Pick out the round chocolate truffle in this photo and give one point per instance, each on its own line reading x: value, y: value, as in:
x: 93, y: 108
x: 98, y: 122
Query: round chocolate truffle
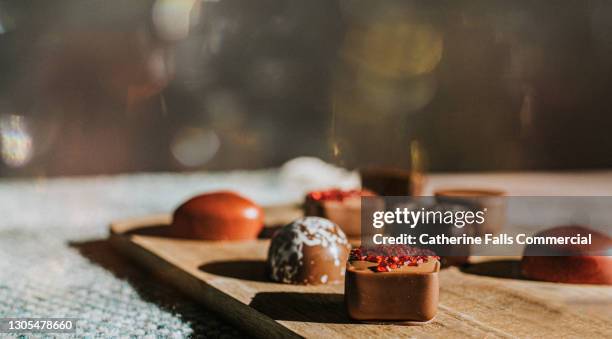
x: 218, y: 216
x: 576, y: 264
x: 310, y: 250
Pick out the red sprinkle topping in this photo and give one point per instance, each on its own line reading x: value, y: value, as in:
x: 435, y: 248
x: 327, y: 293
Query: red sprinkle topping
x: 336, y: 194
x: 394, y: 258
x: 381, y: 269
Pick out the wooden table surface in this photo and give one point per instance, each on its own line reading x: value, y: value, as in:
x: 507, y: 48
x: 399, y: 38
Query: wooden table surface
x: 487, y: 299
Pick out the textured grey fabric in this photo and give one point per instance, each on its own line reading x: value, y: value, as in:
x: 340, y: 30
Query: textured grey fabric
x: 54, y: 261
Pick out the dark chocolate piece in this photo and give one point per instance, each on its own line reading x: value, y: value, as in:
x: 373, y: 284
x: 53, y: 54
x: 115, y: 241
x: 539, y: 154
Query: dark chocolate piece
x: 392, y: 181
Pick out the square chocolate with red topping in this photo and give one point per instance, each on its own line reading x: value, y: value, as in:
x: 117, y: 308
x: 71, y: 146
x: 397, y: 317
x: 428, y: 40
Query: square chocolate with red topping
x: 396, y: 287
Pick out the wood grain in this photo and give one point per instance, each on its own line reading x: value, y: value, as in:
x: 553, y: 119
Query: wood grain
x: 488, y: 299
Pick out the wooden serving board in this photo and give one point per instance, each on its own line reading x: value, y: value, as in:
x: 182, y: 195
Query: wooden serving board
x: 489, y: 299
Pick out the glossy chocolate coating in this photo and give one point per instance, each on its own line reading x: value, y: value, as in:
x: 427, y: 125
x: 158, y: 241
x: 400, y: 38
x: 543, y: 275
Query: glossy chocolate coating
x: 310, y: 250
x: 218, y: 216
x: 573, y: 265
x: 407, y: 294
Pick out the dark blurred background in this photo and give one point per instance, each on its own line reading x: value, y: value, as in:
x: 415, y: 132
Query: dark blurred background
x: 113, y: 86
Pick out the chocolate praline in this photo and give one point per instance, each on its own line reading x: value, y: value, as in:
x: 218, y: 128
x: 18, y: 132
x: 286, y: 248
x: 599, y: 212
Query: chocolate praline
x: 392, y: 288
x: 310, y: 250
x: 494, y: 201
x: 342, y: 207
x: 575, y: 264
x: 218, y: 216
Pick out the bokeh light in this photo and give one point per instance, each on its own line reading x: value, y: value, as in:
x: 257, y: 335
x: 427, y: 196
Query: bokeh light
x: 386, y: 74
x: 17, y: 144
x: 174, y: 18
x: 7, y: 23
x: 322, y: 74
x: 394, y: 49
x: 193, y: 146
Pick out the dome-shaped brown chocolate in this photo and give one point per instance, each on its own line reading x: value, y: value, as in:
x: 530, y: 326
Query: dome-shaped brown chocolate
x: 576, y: 264
x: 310, y: 250
x: 218, y: 216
